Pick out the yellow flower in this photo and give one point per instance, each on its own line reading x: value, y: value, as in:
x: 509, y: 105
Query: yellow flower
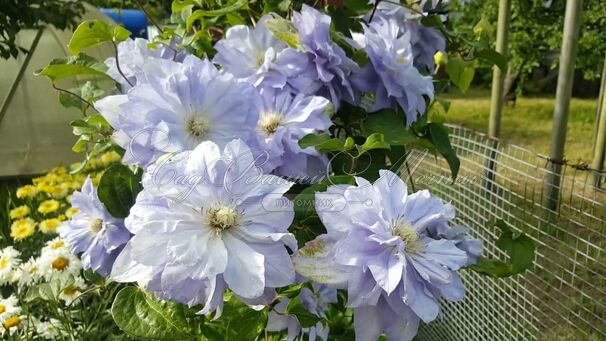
x: 59, y: 170
x: 46, y: 187
x: 23, y: 228
x: 71, y: 211
x: 49, y: 225
x: 26, y: 191
x: 48, y: 206
x: 59, y: 192
x: 19, y: 212
x: 110, y: 157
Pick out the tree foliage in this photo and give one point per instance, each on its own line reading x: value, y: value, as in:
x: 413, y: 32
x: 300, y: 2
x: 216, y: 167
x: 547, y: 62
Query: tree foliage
x: 16, y: 15
x: 535, y: 34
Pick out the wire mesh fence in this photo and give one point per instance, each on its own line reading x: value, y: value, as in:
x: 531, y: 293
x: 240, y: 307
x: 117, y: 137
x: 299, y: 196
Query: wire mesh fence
x: 563, y: 297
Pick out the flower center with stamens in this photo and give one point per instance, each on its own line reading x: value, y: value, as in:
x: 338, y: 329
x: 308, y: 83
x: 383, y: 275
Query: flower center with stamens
x: 12, y: 321
x: 269, y: 122
x: 402, y: 60
x: 260, y: 60
x: 60, y: 263
x: 222, y: 217
x: 409, y: 235
x: 96, y: 225
x: 197, y: 127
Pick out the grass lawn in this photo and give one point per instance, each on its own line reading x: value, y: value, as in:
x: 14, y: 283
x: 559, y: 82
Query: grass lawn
x: 528, y: 123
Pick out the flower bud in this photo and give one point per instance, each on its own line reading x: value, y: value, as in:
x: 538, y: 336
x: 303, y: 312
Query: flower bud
x: 440, y: 58
x: 483, y: 29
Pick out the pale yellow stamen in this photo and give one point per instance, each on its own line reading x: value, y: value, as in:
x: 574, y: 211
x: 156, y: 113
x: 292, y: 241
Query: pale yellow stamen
x: 96, y: 225
x: 198, y: 127
x: 222, y: 217
x: 409, y: 235
x: 269, y: 123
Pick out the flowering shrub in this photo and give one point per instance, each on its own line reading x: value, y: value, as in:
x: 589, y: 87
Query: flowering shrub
x: 257, y: 194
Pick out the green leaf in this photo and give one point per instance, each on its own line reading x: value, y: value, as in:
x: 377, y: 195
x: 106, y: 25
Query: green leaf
x: 322, y: 143
x: 140, y: 315
x: 493, y: 57
x: 240, y: 321
x: 120, y: 34
x: 118, y: 189
x: 80, y: 145
x: 306, y: 318
x: 284, y: 30
x: 519, y: 247
x: 391, y: 125
x: 460, y: 72
x: 374, y: 141
x: 73, y: 66
x: 276, y: 6
x: 179, y: 5
x: 200, y: 13
x: 439, y: 136
x: 88, y: 34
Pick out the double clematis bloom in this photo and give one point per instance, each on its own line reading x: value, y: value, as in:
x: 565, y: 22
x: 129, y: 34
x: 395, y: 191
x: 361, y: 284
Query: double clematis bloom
x: 394, y: 251
x: 329, y: 68
x: 133, y: 54
x: 391, y: 73
x: 256, y: 56
x: 283, y: 120
x: 176, y: 106
x: 207, y: 221
x: 93, y: 232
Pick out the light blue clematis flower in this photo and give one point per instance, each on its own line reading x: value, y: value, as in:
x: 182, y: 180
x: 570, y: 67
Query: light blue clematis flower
x: 93, y: 232
x: 175, y: 106
x: 394, y: 249
x: 283, y: 120
x: 391, y: 74
x: 208, y: 221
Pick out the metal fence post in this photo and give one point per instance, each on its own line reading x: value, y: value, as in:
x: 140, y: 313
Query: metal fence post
x: 572, y: 24
x: 497, y: 96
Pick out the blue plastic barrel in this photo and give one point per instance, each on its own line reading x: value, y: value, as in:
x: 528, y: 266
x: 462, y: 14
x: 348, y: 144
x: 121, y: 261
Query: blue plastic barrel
x: 133, y: 20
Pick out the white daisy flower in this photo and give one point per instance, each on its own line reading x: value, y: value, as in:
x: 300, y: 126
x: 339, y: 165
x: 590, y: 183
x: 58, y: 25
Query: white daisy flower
x: 73, y: 291
x: 55, y: 244
x: 59, y: 261
x: 49, y: 330
x: 29, y: 272
x: 9, y: 262
x: 9, y: 306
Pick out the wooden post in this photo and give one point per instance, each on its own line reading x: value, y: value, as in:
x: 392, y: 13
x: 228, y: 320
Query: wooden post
x: 572, y: 24
x: 498, y: 76
x: 598, y: 112
x: 497, y: 96
x: 600, y: 144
